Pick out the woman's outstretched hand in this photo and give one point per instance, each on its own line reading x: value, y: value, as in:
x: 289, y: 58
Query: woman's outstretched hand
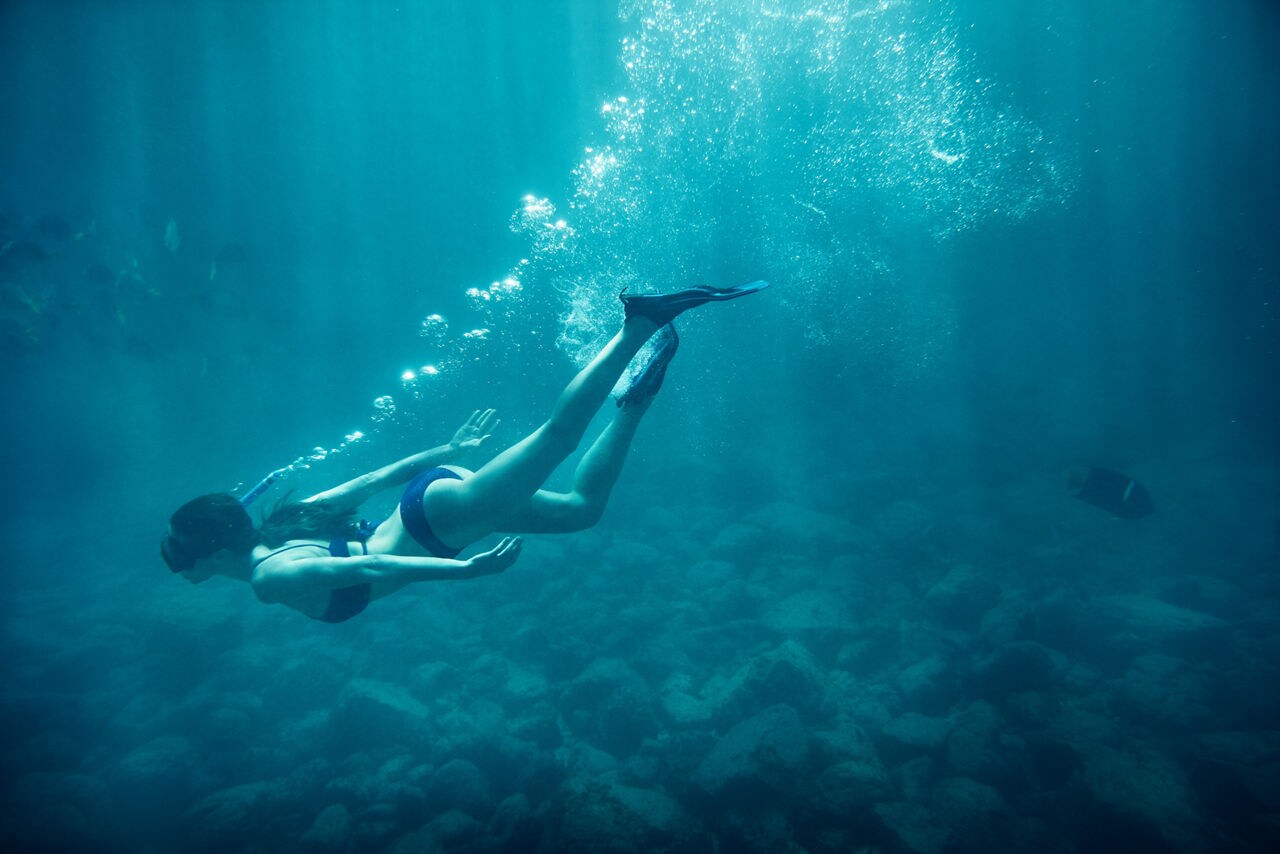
x: 497, y: 559
x: 477, y: 429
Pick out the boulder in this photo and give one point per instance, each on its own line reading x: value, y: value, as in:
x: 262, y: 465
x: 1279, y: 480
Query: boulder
x: 1016, y: 666
x: 795, y: 530
x: 234, y: 813
x: 1143, y: 624
x: 978, y: 747
x: 1143, y: 795
x: 538, y: 724
x: 972, y: 811
x: 848, y: 788
x: 913, y: 734
x: 610, y: 705
x: 913, y: 827
x: 815, y: 617
x: 739, y: 542
x: 929, y: 685
x: 1013, y: 618
x: 962, y: 596
x: 600, y: 817
x: 515, y: 825
x: 758, y: 757
x: 459, y: 785
x: 1164, y: 692
x: 679, y: 704
x: 370, y: 713
x: 329, y: 831
x: 905, y: 522
x: 788, y: 671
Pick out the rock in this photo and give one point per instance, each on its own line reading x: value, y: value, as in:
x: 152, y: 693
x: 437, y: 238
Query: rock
x: 739, y: 542
x: 421, y: 841
x: 235, y: 812
x: 915, y: 779
x: 540, y: 725
x: 847, y: 788
x: 928, y: 685
x: 370, y: 713
x: 913, y: 734
x: 635, y: 559
x: 512, y: 764
x: 329, y: 831
x: 601, y: 817
x: 610, y: 705
x: 799, y: 530
x: 1017, y: 666
x: 759, y: 756
x: 913, y: 827
x: 814, y: 617
x: 761, y: 830
x: 849, y: 742
x: 1013, y: 618
x: 1141, y: 623
x: 459, y: 785
x: 1147, y: 797
x: 788, y: 671
x: 973, y: 812
x: 455, y: 829
x: 1163, y: 692
x: 962, y: 596
x: 515, y: 826
x: 978, y: 747
x: 904, y: 523
x: 682, y: 710
x: 164, y: 771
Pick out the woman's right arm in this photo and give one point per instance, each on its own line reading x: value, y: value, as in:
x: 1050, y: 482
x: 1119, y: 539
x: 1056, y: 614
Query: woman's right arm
x: 350, y: 495
x: 287, y: 579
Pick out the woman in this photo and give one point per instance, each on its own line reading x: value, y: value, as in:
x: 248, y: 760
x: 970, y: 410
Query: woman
x: 310, y: 556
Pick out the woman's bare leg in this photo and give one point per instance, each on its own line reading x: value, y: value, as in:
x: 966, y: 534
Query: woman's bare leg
x: 593, y: 480
x: 462, y: 511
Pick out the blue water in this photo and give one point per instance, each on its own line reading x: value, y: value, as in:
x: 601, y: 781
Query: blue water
x: 842, y: 598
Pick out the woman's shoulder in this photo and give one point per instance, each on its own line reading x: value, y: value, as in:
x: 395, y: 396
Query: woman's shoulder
x: 290, y: 550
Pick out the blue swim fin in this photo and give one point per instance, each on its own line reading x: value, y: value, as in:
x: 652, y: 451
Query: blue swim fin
x: 663, y: 308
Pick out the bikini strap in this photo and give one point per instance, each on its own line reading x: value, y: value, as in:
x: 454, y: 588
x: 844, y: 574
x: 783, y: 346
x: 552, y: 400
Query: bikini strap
x: 288, y: 548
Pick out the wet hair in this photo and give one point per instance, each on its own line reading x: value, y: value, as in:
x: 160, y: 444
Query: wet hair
x: 205, y: 526
x: 302, y: 520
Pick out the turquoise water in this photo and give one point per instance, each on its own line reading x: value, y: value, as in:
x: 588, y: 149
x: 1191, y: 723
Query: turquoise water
x: 842, y: 599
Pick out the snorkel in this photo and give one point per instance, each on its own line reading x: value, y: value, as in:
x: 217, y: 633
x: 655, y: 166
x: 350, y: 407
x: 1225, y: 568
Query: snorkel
x: 260, y: 487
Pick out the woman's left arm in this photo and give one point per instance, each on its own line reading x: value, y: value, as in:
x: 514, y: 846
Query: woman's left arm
x: 350, y: 495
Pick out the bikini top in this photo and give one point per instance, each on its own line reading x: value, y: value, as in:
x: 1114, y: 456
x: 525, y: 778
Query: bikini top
x: 344, y: 602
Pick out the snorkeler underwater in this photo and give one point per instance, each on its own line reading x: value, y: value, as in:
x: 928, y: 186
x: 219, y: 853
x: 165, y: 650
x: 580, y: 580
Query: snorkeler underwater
x: 843, y: 425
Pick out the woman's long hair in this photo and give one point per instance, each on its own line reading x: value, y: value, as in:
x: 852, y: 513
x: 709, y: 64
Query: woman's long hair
x: 300, y: 520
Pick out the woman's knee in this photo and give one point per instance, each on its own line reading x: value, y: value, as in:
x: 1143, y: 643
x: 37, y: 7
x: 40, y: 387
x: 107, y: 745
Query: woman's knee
x: 559, y: 438
x: 585, y: 513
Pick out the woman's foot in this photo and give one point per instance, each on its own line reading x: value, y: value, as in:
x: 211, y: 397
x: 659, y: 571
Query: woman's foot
x: 661, y: 309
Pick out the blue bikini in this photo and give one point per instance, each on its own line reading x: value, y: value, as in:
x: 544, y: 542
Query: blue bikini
x: 414, y: 517
x: 346, y: 602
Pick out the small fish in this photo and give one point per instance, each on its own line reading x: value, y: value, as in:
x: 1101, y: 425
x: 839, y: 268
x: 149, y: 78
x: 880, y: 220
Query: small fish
x: 172, y: 238
x: 1113, y: 491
